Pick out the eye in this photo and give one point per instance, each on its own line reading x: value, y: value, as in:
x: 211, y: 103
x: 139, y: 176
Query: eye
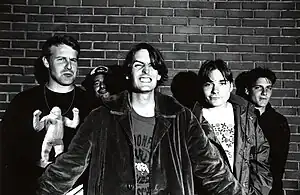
x: 207, y: 84
x: 223, y: 82
x: 74, y: 60
x: 256, y: 87
x: 269, y: 88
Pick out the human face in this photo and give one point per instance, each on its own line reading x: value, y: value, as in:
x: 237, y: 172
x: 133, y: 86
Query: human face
x: 100, y: 87
x: 217, y: 90
x: 62, y: 65
x: 144, y: 76
x: 261, y: 92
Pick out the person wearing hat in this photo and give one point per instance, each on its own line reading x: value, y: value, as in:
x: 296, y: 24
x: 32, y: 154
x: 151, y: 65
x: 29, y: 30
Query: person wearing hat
x: 95, y: 83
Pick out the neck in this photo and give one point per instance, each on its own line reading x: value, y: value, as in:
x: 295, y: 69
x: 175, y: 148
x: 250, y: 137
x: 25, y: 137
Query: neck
x: 261, y: 109
x: 143, y: 104
x: 59, y: 88
x: 217, y: 109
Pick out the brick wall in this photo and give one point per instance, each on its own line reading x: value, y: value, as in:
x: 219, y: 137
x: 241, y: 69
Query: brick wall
x: 246, y: 34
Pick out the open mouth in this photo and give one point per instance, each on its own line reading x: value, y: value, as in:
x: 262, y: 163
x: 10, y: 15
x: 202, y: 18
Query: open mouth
x: 145, y: 79
x: 68, y: 74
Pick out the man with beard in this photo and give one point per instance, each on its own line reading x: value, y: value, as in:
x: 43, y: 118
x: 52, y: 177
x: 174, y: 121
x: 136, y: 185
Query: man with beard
x: 24, y: 128
x: 141, y: 142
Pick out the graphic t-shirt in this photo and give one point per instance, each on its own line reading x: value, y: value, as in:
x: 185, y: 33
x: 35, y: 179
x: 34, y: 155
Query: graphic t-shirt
x: 143, y: 130
x: 222, y: 123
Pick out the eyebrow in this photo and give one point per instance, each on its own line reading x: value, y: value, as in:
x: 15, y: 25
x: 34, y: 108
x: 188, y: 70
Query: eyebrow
x: 138, y: 61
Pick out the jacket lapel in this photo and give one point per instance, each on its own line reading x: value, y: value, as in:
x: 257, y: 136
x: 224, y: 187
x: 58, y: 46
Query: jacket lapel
x: 161, y: 128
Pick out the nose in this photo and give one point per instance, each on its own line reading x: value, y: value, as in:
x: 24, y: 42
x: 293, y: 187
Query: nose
x: 146, y: 69
x: 264, y: 91
x: 68, y: 65
x: 215, y: 88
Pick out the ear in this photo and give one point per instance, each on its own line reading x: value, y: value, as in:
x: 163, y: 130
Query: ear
x: 45, y: 62
x: 158, y: 77
x: 231, y: 87
x: 246, y: 91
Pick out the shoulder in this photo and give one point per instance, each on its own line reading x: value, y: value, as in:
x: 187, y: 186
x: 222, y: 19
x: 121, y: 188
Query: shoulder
x: 28, y: 94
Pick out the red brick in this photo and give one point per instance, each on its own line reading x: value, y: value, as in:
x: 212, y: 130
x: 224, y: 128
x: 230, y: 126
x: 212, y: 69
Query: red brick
x: 79, y: 27
x: 174, y: 21
x: 213, y: 13
x: 120, y: 37
x: 285, y: 75
x: 187, y: 12
x: 174, y: 4
x: 4, y: 26
x: 283, y: 40
x: 254, y: 22
x: 174, y: 38
x: 270, y: 65
x: 80, y: 10
x: 32, y: 53
x: 291, y: 84
x: 201, y: 4
x: 254, y: 40
x: 12, y: 52
x: 146, y: 38
x: 5, y: 8
x: 53, y: 10
x: 281, y: 6
x: 254, y: 5
x: 4, y: 44
x: 12, y: 17
x: 115, y: 54
x: 93, y: 2
x: 92, y: 19
x: 40, y: 18
x: 147, y: 3
x: 240, y: 48
x: 266, y: 14
x: 147, y: 20
x: 282, y: 57
x: 25, y: 9
x: 175, y: 55
x: 228, y: 5
x: 200, y: 56
x: 119, y: 20
x: 240, y: 14
x: 240, y: 65
x: 106, y: 62
x: 240, y: 31
x: 267, y: 49
x: 187, y: 65
x: 53, y: 27
x: 23, y: 61
x: 67, y: 19
x: 282, y: 23
x: 37, y: 2
x: 201, y: 21
x: 291, y: 66
x: 133, y: 28
x: 186, y: 47
x: 118, y: 3
x: 22, y: 79
x: 92, y: 37
x: 290, y: 32
x: 290, y: 14
x: 160, y: 12
x: 201, y: 38
x: 230, y: 39
x: 228, y: 22
x: 106, y: 28
x: 285, y: 93
x: 187, y: 30
x: 91, y: 54
x: 106, y: 45
x: 38, y: 35
x: 228, y: 56
x: 267, y: 31
x: 163, y: 46
x: 214, y: 30
x: 68, y: 3
x: 160, y: 29
x: 213, y: 48
x: 4, y: 61
x: 10, y: 88
x: 24, y: 27
x: 106, y: 11
x: 133, y: 11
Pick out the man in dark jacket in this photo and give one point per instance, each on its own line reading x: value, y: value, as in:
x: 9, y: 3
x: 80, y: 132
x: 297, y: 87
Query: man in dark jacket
x: 142, y: 142
x: 258, y: 90
x: 230, y: 124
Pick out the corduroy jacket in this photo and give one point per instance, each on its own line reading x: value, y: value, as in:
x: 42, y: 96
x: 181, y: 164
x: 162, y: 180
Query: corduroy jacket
x: 251, y: 149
